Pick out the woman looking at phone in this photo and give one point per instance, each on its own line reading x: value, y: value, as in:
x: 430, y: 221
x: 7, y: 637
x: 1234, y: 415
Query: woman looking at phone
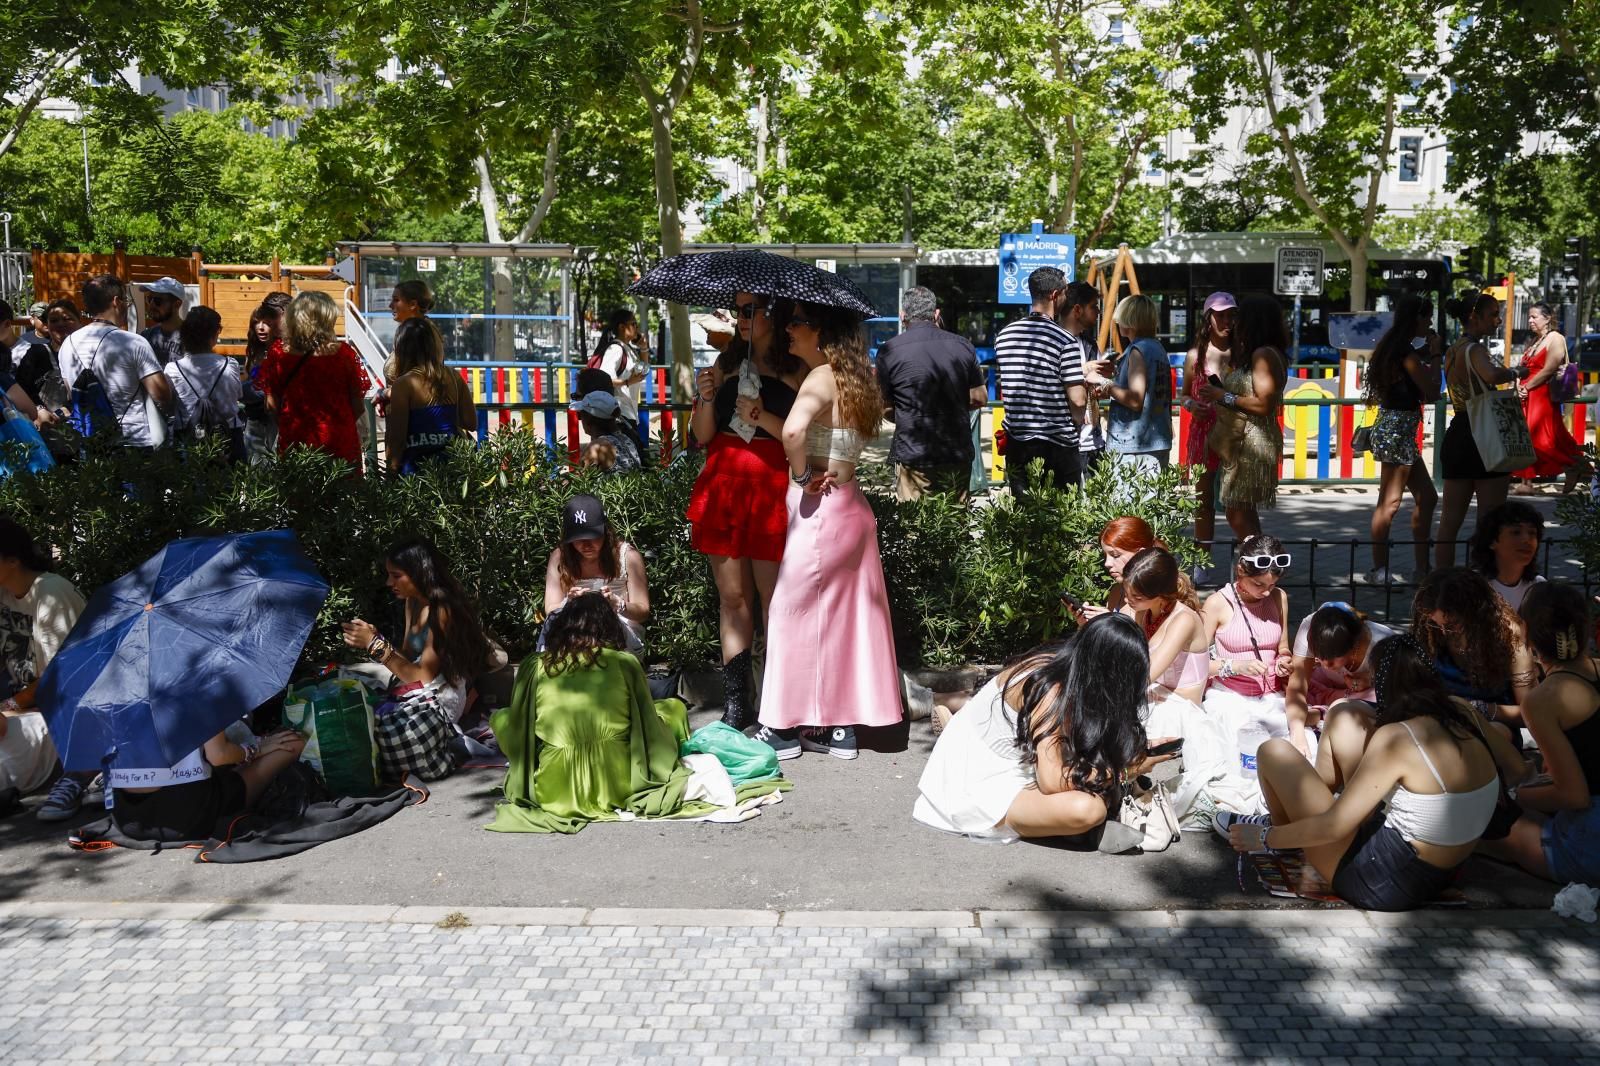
x: 590, y: 560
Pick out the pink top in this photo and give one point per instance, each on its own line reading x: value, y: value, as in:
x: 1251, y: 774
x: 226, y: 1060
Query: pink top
x: 1189, y: 668
x: 1250, y: 634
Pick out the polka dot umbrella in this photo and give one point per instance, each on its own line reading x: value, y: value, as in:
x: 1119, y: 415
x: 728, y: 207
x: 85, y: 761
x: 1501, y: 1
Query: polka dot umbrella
x: 712, y: 278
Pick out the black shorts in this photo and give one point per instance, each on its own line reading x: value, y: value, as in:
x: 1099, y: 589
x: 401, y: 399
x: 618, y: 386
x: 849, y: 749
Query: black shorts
x: 1459, y: 459
x: 1061, y: 461
x: 177, y: 813
x: 1381, y: 871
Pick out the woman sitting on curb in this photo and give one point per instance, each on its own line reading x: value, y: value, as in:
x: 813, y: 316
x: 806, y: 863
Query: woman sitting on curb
x: 1557, y: 835
x: 591, y: 560
x: 443, y: 647
x: 1332, y: 662
x: 585, y: 741
x: 1158, y: 595
x: 1042, y: 750
x: 215, y: 782
x: 1417, y: 786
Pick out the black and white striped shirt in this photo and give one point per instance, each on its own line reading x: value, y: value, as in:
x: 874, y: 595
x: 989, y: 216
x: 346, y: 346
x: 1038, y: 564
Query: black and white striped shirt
x: 1038, y: 360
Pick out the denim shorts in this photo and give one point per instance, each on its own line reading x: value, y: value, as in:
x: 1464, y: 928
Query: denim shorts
x: 1572, y: 844
x: 1381, y: 871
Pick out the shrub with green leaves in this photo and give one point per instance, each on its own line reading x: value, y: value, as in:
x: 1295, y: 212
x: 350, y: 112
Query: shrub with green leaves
x: 966, y: 583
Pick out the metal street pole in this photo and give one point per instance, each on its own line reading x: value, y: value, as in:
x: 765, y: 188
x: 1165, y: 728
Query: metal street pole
x: 1296, y: 357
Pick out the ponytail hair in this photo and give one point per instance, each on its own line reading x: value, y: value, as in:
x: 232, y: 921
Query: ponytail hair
x: 1468, y: 304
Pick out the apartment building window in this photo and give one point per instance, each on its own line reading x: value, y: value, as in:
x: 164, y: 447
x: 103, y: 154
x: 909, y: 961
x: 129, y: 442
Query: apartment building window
x: 1411, y: 159
x: 191, y: 99
x: 1411, y: 103
x: 1114, y: 31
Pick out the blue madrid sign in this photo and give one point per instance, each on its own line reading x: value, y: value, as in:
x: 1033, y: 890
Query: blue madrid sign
x: 1023, y: 253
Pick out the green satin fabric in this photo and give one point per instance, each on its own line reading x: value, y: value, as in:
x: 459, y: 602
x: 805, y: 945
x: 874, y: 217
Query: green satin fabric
x: 587, y: 743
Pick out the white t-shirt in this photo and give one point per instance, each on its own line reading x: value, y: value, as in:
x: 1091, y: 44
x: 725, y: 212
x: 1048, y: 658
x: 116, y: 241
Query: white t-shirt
x: 622, y: 362
x: 33, y: 628
x: 1513, y: 594
x: 121, y: 360
x: 1339, y: 678
x: 208, y: 388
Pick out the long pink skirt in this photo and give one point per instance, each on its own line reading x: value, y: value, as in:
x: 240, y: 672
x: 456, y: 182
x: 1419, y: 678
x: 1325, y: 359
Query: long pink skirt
x: 830, y: 644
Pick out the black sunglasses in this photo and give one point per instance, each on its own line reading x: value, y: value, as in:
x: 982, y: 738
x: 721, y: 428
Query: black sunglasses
x: 802, y: 320
x: 749, y: 310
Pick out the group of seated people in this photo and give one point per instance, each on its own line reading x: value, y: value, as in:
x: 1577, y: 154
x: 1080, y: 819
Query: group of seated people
x: 597, y: 600
x: 1387, y: 757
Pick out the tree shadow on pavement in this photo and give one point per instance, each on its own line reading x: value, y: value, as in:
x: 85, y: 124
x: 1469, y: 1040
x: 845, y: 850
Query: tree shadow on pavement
x: 1433, y: 984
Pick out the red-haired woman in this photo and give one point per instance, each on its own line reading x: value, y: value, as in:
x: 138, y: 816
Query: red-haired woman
x: 1120, y: 540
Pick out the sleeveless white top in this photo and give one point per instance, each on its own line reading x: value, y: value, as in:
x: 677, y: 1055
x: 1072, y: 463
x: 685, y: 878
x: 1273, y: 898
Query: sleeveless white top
x: 839, y: 445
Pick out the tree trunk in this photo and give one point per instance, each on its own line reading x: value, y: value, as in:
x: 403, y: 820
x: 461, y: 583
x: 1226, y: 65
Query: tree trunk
x: 669, y: 219
x: 1358, y: 276
x: 758, y: 194
x: 505, y: 349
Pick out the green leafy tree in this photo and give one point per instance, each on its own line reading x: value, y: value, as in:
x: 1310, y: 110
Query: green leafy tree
x: 1331, y: 79
x: 1088, y: 79
x: 77, y: 49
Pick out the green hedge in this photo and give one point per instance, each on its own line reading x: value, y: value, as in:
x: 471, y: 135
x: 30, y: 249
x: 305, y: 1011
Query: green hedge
x: 966, y: 584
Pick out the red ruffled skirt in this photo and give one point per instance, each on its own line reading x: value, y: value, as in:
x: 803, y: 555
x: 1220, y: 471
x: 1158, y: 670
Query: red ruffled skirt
x: 737, y: 507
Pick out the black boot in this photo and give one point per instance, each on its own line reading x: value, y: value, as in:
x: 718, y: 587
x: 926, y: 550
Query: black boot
x: 736, y: 709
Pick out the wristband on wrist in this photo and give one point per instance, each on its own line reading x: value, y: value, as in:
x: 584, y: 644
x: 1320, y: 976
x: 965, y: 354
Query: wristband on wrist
x: 249, y: 752
x: 801, y: 479
x: 10, y: 706
x: 378, y: 649
x: 1264, y: 831
x: 1229, y: 399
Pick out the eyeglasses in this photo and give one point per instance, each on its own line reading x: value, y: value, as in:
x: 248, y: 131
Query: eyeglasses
x: 1266, y: 562
x: 749, y: 310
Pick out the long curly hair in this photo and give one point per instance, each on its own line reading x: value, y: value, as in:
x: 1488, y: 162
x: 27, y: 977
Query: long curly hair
x: 1387, y: 367
x: 311, y: 324
x: 577, y: 634
x: 1482, y: 635
x: 458, y: 636
x: 843, y: 342
x: 1088, y: 697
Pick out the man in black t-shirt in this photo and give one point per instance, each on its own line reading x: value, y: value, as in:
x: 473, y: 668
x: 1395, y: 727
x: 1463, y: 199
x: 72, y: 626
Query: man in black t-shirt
x: 930, y: 380
x: 163, y: 311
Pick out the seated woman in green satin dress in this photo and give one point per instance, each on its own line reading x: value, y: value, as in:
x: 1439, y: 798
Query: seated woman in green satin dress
x: 583, y: 736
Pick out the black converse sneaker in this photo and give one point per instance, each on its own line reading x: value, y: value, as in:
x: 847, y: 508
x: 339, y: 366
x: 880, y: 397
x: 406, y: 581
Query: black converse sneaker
x: 838, y: 740
x: 782, y: 741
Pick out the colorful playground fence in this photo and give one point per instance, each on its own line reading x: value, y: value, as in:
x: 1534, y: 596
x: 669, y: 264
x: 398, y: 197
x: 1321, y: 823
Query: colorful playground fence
x: 1318, y: 425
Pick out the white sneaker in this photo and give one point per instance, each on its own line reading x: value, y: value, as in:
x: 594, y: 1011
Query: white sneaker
x: 1381, y: 575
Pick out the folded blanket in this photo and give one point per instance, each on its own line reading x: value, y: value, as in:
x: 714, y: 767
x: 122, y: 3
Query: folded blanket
x: 281, y: 826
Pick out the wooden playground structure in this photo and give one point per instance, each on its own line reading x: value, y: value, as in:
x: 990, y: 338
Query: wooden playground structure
x: 233, y: 290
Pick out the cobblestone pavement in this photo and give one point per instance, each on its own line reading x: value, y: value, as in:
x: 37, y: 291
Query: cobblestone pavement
x: 1201, y: 987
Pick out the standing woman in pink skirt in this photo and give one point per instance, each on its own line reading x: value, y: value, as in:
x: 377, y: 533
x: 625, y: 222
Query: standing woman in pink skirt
x: 831, y: 664
x: 736, y: 511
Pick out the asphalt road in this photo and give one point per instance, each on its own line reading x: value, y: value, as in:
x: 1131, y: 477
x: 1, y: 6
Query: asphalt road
x: 843, y: 839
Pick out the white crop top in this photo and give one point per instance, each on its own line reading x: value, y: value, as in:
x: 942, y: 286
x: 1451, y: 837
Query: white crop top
x: 839, y: 445
x: 1445, y: 819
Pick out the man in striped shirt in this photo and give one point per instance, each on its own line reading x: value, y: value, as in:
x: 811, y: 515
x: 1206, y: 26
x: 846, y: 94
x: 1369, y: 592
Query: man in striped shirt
x: 1042, y: 386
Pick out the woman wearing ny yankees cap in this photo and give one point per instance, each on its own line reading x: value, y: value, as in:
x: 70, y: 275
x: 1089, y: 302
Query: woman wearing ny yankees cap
x: 590, y: 560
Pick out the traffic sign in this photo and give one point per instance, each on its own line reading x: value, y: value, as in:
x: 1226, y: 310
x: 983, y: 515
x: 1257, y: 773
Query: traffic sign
x: 1299, y: 271
x: 1023, y: 253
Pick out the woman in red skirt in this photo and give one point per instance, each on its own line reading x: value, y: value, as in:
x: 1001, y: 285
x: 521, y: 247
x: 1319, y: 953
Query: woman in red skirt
x: 737, y: 513
x: 1555, y: 449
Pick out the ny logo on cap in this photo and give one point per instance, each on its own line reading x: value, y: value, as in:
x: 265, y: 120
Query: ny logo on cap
x: 580, y: 516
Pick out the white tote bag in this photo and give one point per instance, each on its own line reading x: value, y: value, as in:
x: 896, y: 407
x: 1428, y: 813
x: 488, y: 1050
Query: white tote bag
x: 1499, y: 427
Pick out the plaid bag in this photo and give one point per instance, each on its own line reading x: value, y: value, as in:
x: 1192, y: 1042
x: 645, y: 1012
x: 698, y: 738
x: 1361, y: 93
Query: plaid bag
x: 414, y: 738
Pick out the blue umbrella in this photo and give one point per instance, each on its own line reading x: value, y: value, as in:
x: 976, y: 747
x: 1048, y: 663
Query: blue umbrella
x: 165, y: 656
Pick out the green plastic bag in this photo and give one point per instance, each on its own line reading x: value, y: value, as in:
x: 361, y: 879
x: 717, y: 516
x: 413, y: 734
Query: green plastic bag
x: 337, y: 722
x: 743, y: 758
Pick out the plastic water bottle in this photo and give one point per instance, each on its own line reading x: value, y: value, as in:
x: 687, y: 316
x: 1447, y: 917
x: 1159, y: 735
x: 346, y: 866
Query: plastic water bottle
x: 1251, y: 738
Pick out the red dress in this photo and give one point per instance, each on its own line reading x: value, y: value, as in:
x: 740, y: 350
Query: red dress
x: 1553, y: 446
x: 314, y: 401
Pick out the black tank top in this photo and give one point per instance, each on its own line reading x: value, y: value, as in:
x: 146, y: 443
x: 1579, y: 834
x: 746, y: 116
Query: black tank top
x: 1585, y: 737
x: 776, y: 398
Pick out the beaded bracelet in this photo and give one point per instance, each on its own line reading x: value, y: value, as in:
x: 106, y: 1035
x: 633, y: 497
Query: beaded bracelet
x: 801, y: 479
